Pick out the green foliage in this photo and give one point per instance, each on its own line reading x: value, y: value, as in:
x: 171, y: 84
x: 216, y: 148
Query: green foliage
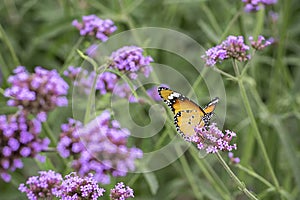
x: 262, y: 106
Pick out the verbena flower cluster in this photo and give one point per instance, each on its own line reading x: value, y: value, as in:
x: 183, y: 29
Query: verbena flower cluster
x: 255, y: 5
x: 37, y: 93
x: 105, y: 149
x: 91, y: 51
x: 50, y: 184
x: 94, y: 26
x: 105, y: 82
x: 261, y: 42
x: 121, y: 192
x: 233, y: 47
x: 213, y: 139
x: 130, y: 59
x: 44, y: 186
x: 123, y: 90
x: 19, y: 138
x: 74, y: 187
x: 72, y: 72
x: 69, y: 142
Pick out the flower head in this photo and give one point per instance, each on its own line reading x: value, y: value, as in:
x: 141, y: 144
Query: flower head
x: 70, y: 143
x: 106, y: 151
x: 236, y: 48
x: 39, y: 92
x: 123, y: 90
x: 121, y: 192
x: 261, y: 42
x: 72, y: 72
x: 83, y: 79
x: 95, y: 26
x: 50, y: 184
x: 106, y: 82
x: 19, y: 137
x: 215, y: 54
x: 255, y: 5
x: 131, y: 59
x: 213, y: 139
x: 91, y: 51
x: 44, y: 186
x: 76, y: 188
x: 233, y: 47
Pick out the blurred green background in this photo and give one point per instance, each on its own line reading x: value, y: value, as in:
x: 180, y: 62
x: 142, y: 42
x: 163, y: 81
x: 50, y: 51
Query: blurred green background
x: 39, y: 33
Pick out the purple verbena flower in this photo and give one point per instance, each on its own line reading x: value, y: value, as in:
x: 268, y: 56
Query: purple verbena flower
x: 19, y: 137
x: 39, y: 92
x: 215, y: 54
x: 123, y: 91
x: 233, y: 160
x: 69, y: 142
x: 72, y: 72
x: 106, y: 151
x: 91, y: 51
x: 236, y: 48
x: 74, y: 187
x: 84, y: 80
x: 268, y: 2
x: 44, y: 186
x: 255, y: 5
x: 261, y: 42
x: 130, y: 59
x: 233, y: 47
x: 106, y: 82
x: 273, y: 16
x: 213, y: 139
x: 121, y: 192
x: 94, y: 26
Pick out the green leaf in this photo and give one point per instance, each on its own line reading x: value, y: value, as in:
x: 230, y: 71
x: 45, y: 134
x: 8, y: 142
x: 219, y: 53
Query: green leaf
x: 152, y: 182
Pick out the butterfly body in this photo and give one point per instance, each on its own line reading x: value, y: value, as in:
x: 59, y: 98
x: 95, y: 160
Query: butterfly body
x: 187, y: 114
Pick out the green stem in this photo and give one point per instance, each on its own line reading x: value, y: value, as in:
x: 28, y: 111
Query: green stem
x: 210, y: 174
x: 133, y: 179
x: 92, y: 91
x: 255, y: 175
x: 127, y: 80
x: 1, y: 91
x: 229, y: 26
x: 49, y: 133
x: 254, y: 125
x: 89, y: 102
x: 225, y: 74
x: 190, y: 177
x: 70, y: 56
x: 87, y: 58
x: 240, y: 184
x: 9, y: 46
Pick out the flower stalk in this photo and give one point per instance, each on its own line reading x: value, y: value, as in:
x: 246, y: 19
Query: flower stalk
x: 254, y: 124
x: 240, y: 184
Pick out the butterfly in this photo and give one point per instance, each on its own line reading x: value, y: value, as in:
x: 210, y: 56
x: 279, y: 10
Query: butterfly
x: 187, y: 114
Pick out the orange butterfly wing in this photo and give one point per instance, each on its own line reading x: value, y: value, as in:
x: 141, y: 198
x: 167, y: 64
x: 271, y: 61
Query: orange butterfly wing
x: 187, y: 113
x: 211, y: 106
